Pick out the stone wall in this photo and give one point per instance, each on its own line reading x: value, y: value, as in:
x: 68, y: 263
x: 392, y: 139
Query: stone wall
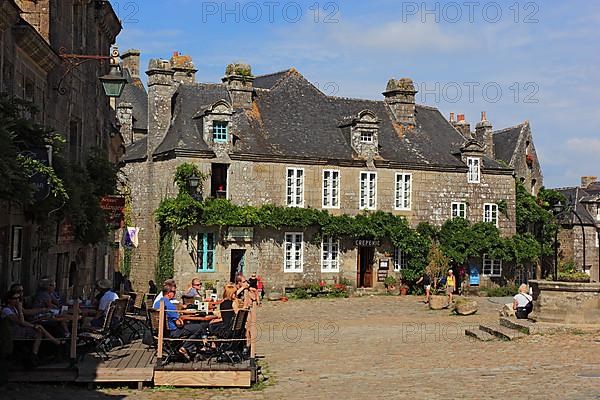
x: 566, y: 302
x: 256, y: 184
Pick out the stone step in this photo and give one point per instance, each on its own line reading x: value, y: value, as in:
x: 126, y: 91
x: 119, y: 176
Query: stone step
x: 479, y: 334
x: 522, y: 325
x: 502, y: 332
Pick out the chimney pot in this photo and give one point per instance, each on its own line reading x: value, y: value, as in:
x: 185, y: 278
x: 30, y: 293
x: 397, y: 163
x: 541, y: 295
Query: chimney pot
x: 451, y: 117
x: 483, y: 116
x: 461, y: 117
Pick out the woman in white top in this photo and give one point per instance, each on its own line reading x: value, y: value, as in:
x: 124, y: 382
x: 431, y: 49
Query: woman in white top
x: 522, y: 302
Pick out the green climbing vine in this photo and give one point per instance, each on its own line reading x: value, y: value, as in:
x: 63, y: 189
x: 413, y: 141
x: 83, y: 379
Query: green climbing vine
x: 457, y: 239
x: 127, y: 218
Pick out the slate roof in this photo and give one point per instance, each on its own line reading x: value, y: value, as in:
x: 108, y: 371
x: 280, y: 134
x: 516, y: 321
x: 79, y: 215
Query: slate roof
x: 505, y: 142
x: 291, y: 118
x: 269, y: 80
x: 185, y: 132
x: 135, y: 93
x: 575, y: 195
x: 137, y: 151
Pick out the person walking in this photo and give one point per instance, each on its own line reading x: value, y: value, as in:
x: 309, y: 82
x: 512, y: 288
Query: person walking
x: 450, y: 285
x: 426, y: 282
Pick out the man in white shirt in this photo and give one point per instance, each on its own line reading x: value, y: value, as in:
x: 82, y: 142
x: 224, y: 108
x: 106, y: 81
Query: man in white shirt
x: 107, y: 296
x: 167, y: 284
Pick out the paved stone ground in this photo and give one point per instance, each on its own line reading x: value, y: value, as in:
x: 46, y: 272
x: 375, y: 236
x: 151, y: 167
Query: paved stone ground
x: 388, y: 347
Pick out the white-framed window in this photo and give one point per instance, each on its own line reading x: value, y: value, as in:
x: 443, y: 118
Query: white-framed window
x: 17, y: 243
x: 366, y: 137
x: 330, y: 251
x: 294, y: 246
x: 295, y: 187
x: 331, y: 188
x: 206, y: 252
x: 490, y: 213
x: 400, y: 260
x: 491, y: 267
x: 403, y: 191
x: 459, y: 209
x: 474, y: 174
x: 368, y: 191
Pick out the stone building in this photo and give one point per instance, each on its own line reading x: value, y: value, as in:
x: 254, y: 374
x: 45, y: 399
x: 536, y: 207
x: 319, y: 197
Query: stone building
x: 585, y: 202
x: 276, y: 139
x: 512, y: 147
x: 32, y: 34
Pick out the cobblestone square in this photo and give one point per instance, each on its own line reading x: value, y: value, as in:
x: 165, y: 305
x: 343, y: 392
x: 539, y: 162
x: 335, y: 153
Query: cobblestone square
x: 388, y: 347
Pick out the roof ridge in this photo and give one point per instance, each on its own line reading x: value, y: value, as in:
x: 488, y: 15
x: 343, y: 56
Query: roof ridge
x: 509, y: 128
x: 352, y: 98
x: 273, y: 73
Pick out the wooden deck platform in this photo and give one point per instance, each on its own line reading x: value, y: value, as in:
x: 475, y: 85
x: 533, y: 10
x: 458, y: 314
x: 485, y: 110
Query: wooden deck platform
x: 131, y: 363
x: 136, y: 363
x: 206, y: 375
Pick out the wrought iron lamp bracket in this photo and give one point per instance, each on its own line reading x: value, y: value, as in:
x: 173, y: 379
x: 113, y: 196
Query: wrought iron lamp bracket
x: 72, y: 62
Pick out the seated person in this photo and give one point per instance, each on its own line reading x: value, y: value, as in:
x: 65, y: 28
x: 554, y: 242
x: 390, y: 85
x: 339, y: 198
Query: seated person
x: 177, y: 327
x: 21, y: 329
x: 523, y: 302
x: 228, y: 309
x: 105, y: 297
x: 245, y: 292
x: 46, y: 300
x: 44, y: 297
x: 170, y: 283
x: 194, y: 289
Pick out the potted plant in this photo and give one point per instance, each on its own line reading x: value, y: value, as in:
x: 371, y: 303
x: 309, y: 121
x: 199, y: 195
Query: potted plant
x: 437, y: 265
x: 403, y: 290
x: 389, y: 283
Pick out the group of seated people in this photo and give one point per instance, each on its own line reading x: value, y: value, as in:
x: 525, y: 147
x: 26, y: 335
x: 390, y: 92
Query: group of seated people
x: 47, y: 316
x: 235, y: 296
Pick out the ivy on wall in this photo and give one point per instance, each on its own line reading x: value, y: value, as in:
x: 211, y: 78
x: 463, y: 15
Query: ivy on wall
x: 165, y: 266
x: 127, y: 218
x: 457, y: 239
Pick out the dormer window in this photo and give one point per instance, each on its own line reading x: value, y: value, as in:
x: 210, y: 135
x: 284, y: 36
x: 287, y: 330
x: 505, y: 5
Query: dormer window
x: 219, y: 131
x: 363, y: 133
x: 366, y: 137
x: 474, y: 174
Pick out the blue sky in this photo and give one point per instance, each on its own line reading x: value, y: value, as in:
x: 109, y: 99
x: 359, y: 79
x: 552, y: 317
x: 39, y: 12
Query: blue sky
x: 516, y: 60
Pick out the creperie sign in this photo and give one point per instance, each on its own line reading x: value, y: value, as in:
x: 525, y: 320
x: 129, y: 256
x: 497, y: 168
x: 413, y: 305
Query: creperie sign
x: 112, y: 203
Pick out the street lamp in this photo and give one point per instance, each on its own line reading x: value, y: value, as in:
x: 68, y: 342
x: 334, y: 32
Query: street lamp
x: 558, y: 209
x: 112, y: 83
x: 193, y: 182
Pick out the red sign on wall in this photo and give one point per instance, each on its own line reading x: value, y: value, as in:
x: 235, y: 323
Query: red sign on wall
x: 113, y: 205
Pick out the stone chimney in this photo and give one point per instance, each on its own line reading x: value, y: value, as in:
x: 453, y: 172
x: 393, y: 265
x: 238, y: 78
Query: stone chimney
x: 484, y: 134
x: 131, y: 62
x: 239, y: 81
x: 161, y: 88
x: 587, y: 181
x: 125, y: 117
x: 185, y: 72
x: 400, y: 97
x: 451, y: 120
x: 463, y: 126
